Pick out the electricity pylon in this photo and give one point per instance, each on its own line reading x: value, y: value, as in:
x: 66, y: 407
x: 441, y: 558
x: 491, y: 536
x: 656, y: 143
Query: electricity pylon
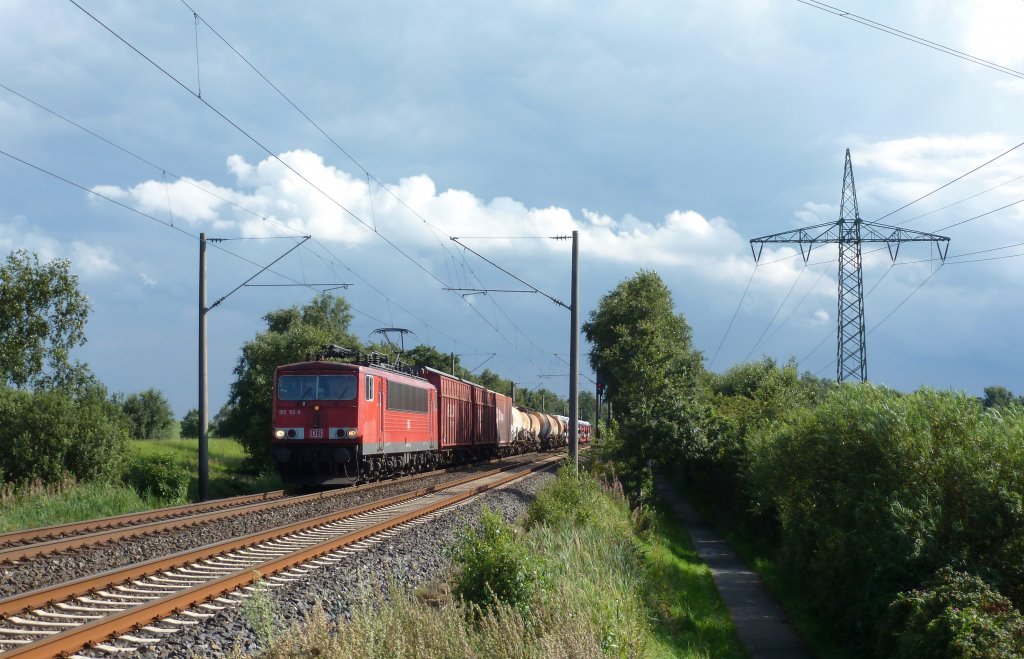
x: 850, y: 232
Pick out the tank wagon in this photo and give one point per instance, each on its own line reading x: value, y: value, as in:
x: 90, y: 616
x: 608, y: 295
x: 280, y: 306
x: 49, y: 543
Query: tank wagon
x: 344, y: 422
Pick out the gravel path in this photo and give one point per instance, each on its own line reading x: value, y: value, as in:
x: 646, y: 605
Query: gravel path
x: 412, y: 557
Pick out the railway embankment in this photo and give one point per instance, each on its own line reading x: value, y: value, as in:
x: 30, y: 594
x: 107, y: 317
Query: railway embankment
x: 552, y: 567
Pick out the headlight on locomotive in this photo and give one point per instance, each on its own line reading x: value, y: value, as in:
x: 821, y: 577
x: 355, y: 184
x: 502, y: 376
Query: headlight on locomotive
x: 279, y: 434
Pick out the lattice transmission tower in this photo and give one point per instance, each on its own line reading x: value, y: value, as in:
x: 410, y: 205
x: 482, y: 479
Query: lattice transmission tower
x: 850, y: 233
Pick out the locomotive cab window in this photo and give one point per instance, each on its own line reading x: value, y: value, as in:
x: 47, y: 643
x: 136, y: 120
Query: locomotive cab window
x: 316, y: 387
x: 336, y: 387
x: 369, y: 387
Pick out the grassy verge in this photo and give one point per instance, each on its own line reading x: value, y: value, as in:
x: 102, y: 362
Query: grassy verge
x: 72, y: 502
x: 690, y: 618
x: 227, y: 465
x: 584, y: 576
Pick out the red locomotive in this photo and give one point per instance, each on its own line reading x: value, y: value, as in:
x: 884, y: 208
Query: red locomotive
x: 343, y: 423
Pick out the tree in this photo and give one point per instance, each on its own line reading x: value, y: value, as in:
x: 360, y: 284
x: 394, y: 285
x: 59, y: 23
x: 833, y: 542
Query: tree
x: 541, y: 399
x: 42, y: 318
x: 48, y: 434
x: 150, y: 415
x: 644, y: 352
x: 190, y: 423
x: 587, y: 406
x: 291, y: 336
x: 493, y: 381
x: 431, y: 357
x: 998, y: 396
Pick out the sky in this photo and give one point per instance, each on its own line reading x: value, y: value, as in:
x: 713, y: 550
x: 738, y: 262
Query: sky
x: 668, y: 134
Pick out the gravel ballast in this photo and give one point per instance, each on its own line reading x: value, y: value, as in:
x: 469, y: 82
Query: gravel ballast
x: 26, y: 575
x: 416, y: 555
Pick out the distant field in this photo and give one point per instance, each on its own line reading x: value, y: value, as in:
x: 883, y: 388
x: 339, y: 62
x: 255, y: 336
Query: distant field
x: 80, y: 501
x: 227, y: 460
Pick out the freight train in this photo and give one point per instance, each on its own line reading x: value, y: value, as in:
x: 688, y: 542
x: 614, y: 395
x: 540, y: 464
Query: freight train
x: 362, y: 419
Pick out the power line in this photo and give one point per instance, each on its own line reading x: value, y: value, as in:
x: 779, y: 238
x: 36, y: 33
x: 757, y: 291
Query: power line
x: 887, y: 316
x: 945, y: 185
x: 775, y: 315
x: 960, y: 201
x: 900, y: 305
x: 277, y: 225
x: 270, y: 153
x: 734, y: 314
x: 797, y: 306
x: 971, y: 219
x: 842, y: 13
x: 524, y: 283
x: 277, y: 158
x: 201, y: 188
x: 141, y: 213
x: 434, y: 229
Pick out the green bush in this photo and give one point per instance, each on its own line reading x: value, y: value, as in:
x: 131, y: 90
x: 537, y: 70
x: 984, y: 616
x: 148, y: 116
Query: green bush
x: 566, y: 501
x: 958, y: 615
x: 493, y: 566
x: 159, y: 476
x: 47, y: 435
x: 875, y: 491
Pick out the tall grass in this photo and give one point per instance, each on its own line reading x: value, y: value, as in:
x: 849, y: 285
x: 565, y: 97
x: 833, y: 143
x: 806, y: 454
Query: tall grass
x: 597, y: 597
x: 71, y: 501
x: 68, y: 502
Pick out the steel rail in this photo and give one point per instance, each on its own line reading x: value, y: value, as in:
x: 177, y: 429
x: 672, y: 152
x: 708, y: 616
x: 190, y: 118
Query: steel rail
x: 76, y: 638
x: 23, y: 602
x: 44, y: 533
x: 174, y: 521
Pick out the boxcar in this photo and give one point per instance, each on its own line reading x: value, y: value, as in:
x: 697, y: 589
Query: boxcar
x: 467, y: 425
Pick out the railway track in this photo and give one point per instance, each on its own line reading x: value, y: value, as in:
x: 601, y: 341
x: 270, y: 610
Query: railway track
x: 33, y: 543
x: 141, y: 603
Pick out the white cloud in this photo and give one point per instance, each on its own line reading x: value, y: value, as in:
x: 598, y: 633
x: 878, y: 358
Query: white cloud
x: 88, y: 260
x: 820, y: 317
x: 147, y: 280
x: 93, y: 260
x: 891, y: 173
x: 814, y: 213
x: 269, y: 189
x: 993, y: 30
x: 15, y: 234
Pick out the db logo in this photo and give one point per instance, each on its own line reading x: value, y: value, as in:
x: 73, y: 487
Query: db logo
x: 316, y: 433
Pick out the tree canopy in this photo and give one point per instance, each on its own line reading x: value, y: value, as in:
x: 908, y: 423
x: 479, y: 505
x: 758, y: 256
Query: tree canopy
x: 653, y: 375
x: 291, y: 335
x: 1000, y: 396
x: 42, y: 318
x: 150, y: 414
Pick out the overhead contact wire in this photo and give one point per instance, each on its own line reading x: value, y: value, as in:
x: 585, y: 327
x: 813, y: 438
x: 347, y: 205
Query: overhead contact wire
x: 270, y: 153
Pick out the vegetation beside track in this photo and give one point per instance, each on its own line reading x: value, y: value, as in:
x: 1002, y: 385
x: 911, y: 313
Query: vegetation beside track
x: 583, y: 575
x: 891, y: 523
x: 152, y: 466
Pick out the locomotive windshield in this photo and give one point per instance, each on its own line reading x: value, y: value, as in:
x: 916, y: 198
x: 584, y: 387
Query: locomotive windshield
x: 316, y: 387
